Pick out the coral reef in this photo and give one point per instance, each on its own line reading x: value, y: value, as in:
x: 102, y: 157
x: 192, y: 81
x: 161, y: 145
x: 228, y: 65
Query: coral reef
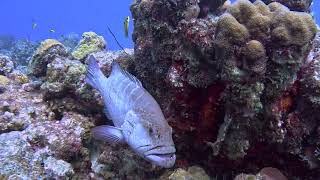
x: 192, y: 173
x: 45, y: 53
x: 303, y: 120
x: 64, y: 87
x: 296, y: 5
x: 55, y: 137
x: 22, y: 51
x: 234, y: 80
x: 20, y: 163
x: 19, y: 50
x: 6, y: 42
x: 19, y: 107
x: 89, y: 43
x: 241, y: 92
x: 45, y: 149
x: 57, y: 168
x: 256, y: 85
x: 34, y: 142
x: 265, y: 173
x: 6, y: 65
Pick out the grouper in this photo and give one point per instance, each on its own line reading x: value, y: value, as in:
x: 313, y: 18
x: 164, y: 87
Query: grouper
x: 137, y: 117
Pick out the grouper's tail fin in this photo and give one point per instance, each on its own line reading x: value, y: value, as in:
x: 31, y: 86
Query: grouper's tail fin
x: 94, y: 75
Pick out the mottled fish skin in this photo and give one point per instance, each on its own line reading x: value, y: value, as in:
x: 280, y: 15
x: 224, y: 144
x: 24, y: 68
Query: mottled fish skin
x: 135, y: 114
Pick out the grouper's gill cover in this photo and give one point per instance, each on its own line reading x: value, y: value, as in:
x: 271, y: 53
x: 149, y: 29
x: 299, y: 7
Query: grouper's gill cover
x: 137, y: 117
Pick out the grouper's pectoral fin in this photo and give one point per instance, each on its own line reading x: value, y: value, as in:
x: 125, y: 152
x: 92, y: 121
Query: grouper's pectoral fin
x: 109, y: 134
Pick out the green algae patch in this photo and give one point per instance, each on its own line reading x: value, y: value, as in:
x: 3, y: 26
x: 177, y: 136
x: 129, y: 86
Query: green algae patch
x: 89, y: 43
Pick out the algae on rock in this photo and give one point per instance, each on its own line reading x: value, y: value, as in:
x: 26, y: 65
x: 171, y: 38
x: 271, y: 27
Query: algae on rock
x: 89, y: 43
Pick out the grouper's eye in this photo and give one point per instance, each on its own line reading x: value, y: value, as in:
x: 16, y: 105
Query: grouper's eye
x: 150, y: 130
x: 154, y: 132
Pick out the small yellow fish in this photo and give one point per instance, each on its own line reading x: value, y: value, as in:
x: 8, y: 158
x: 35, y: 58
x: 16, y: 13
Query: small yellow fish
x: 34, y: 25
x: 52, y: 30
x: 126, y: 26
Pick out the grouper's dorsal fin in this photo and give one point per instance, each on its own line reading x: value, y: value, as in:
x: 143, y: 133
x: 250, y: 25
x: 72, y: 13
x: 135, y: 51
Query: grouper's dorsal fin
x: 116, y: 68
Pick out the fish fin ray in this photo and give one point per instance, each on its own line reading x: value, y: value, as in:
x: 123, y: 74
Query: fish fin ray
x: 107, y: 113
x: 109, y: 134
x: 94, y: 75
x: 117, y: 68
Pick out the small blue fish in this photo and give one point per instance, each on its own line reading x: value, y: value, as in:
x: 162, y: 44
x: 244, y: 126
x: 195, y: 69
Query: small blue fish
x: 137, y: 117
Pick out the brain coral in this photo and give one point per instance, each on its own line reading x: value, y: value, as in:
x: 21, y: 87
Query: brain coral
x: 247, y: 28
x: 294, y: 5
x: 262, y: 21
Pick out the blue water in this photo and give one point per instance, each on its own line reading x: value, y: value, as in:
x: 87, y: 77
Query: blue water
x: 65, y: 16
x: 77, y: 16
x: 316, y: 10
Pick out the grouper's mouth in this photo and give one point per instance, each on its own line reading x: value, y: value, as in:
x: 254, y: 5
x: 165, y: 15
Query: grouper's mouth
x: 163, y: 160
x: 168, y: 155
x: 160, y: 150
x: 163, y: 156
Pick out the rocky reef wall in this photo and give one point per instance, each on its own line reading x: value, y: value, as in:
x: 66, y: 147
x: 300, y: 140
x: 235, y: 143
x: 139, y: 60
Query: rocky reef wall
x: 230, y: 84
